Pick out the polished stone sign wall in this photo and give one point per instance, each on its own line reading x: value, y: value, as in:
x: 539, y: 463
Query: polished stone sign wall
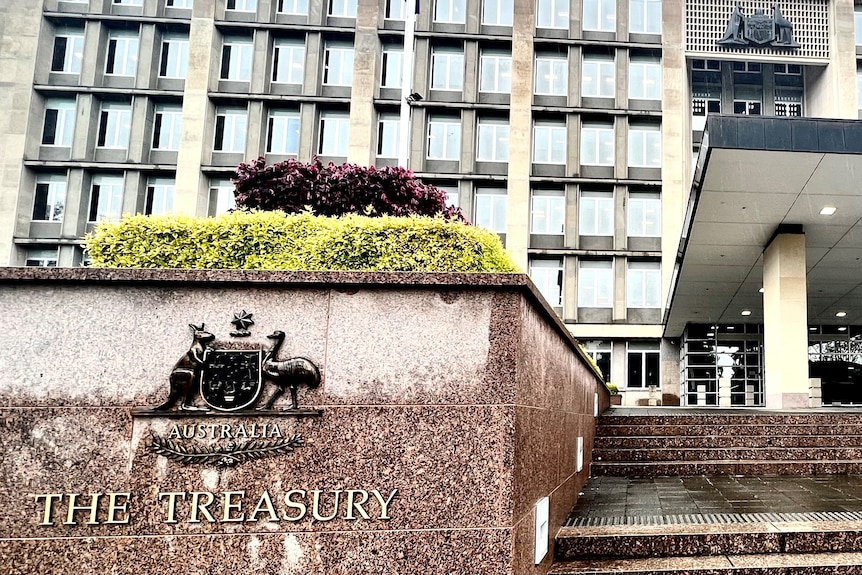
x: 148, y: 426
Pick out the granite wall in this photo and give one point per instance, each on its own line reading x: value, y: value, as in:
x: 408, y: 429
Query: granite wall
x: 449, y: 405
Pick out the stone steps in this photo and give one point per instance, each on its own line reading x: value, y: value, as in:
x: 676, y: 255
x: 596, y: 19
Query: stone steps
x: 725, y: 467
x: 726, y: 441
x: 693, y: 454
x: 740, y: 430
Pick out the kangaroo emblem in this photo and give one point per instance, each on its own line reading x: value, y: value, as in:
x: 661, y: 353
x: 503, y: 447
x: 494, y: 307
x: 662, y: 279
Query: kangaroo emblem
x: 187, y: 371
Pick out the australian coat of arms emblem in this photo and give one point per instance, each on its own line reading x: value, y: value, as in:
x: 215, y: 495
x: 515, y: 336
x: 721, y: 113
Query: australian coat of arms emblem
x: 758, y: 30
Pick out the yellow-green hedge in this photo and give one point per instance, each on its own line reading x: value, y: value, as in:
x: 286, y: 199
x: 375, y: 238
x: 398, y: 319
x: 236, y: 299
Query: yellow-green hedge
x: 275, y: 241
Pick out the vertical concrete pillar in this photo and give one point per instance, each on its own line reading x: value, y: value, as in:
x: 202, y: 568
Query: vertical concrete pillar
x: 366, y: 45
x: 785, y: 319
x: 830, y: 90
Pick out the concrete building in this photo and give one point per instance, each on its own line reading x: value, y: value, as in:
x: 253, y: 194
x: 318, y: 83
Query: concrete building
x: 570, y: 127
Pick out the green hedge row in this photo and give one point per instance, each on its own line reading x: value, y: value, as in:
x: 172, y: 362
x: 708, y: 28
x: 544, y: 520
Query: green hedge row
x: 275, y: 241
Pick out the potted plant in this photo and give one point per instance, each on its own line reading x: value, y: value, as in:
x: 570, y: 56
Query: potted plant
x: 616, y: 398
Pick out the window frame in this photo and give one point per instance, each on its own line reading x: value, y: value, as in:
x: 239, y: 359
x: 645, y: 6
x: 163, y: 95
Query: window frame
x: 488, y: 218
x: 173, y: 113
x: 554, y: 9
x: 112, y: 118
x: 295, y: 50
x: 114, y: 202
x: 452, y: 72
x: 179, y: 69
x: 552, y: 203
x: 161, y: 188
x: 232, y: 6
x: 649, y: 66
x: 50, y: 201
x: 605, y: 10
x: 604, y: 135
x: 642, y: 142
x: 453, y: 7
x: 641, y: 350
x: 649, y: 274
x: 237, y: 59
x: 598, y: 66
x: 495, y: 72
x: 292, y: 127
x: 592, y: 285
x: 338, y: 60
x: 648, y: 17
x: 341, y: 121
x: 63, y: 121
x: 72, y: 44
x: 445, y: 123
x: 504, y: 13
x: 348, y: 8
x: 549, y: 273
x: 499, y: 138
x: 639, y: 227
x: 388, y: 132
x: 556, y: 141
x: 388, y: 68
x: 229, y: 122
x: 299, y: 8
x: 558, y: 67
x: 123, y: 47
x: 596, y: 214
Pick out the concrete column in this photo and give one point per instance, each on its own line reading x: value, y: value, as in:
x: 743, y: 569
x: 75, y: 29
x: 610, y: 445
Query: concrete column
x: 785, y: 319
x: 830, y: 90
x: 366, y: 46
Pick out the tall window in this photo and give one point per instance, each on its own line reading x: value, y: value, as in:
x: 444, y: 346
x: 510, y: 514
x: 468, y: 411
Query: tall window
x: 597, y: 144
x: 491, y: 209
x: 547, y: 274
x: 298, y: 7
x: 548, y: 212
x: 552, y: 75
x: 50, y: 200
x: 242, y: 5
x: 334, y: 133
x: 447, y: 68
x: 106, y: 198
x: 391, y: 68
x: 600, y: 15
x: 549, y: 142
x: 450, y: 11
x: 453, y: 196
x: 493, y: 140
x: 645, y: 78
x: 167, y: 127
x: 288, y: 60
x: 596, y: 214
x: 601, y: 352
x: 160, y: 196
x: 645, y: 16
x: 595, y: 283
x: 343, y: 8
x: 175, y: 56
x: 644, y: 214
x: 645, y: 146
x: 236, y: 56
x: 498, y: 12
x: 643, y: 284
x: 857, y: 20
x: 552, y: 14
x: 395, y: 9
x: 283, y: 132
x: 444, y: 138
x: 59, y: 122
x: 129, y: 2
x: 187, y: 4
x: 230, y: 129
x: 222, y: 198
x: 644, y: 360
x: 387, y: 135
x: 122, y: 59
x: 68, y: 50
x: 115, y: 122
x: 338, y: 64
x: 495, y: 71
x: 598, y: 76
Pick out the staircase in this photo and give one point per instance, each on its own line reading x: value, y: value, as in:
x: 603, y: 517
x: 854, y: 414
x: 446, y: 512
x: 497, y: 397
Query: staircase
x: 721, y: 492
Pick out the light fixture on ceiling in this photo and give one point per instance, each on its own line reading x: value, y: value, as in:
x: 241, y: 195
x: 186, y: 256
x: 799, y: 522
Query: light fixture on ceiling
x: 812, y: 329
x: 828, y: 210
x: 842, y: 328
x: 761, y: 290
x: 841, y: 314
x: 746, y: 312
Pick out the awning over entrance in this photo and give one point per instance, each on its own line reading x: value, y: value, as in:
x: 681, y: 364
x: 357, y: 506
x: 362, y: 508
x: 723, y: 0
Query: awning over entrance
x: 755, y: 177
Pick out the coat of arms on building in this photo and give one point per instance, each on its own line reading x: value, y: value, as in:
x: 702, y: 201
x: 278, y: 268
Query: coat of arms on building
x: 758, y: 30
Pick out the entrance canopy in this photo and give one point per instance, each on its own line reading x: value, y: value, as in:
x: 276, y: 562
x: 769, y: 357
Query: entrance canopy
x: 756, y: 177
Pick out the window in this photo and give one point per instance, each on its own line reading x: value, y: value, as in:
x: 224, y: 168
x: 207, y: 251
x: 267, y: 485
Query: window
x: 115, y: 121
x: 495, y: 71
x: 444, y: 138
x: 242, y: 5
x: 59, y: 122
x: 552, y: 75
x: 288, y: 61
x: 498, y: 12
x: 106, y: 198
x: 334, y: 133
x: 395, y: 9
x: 160, y: 196
x: 857, y: 20
x: 597, y: 144
x: 549, y: 142
x: 343, y: 8
x: 338, y: 64
x: 548, y: 212
x: 859, y: 88
x: 175, y: 56
x: 491, y: 209
x: 643, y: 284
x: 236, y: 55
x: 50, y: 200
x: 391, y: 69
x: 283, y: 132
x: 447, y: 68
x: 222, y: 198
x: 645, y: 78
x: 645, y: 146
x: 705, y: 100
x: 600, y: 15
x: 493, y: 140
x: 68, y: 50
x: 450, y: 11
x: 187, y: 4
x: 122, y: 59
x: 645, y: 16
x: 299, y: 7
x: 387, y: 135
x: 644, y: 214
x: 600, y: 351
x: 41, y: 258
x: 453, y: 197
x: 230, y: 128
x: 548, y: 277
x: 598, y: 80
x: 595, y: 283
x: 167, y: 127
x: 643, y: 364
x: 596, y: 214
x: 129, y: 2
x: 552, y: 14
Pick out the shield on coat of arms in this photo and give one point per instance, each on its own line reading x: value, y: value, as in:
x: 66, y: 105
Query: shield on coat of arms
x: 231, y: 379
x: 760, y: 29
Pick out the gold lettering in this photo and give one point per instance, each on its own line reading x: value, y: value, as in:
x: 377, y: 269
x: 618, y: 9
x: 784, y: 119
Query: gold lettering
x: 93, y: 508
x: 229, y: 506
x: 241, y: 432
x: 47, y: 514
x: 384, y: 505
x: 275, y: 431
x: 315, y: 505
x: 175, y: 432
x: 264, y: 504
x: 202, y: 431
x: 172, y: 503
x: 197, y: 506
x: 114, y: 506
x: 225, y: 431
x: 299, y: 505
x: 352, y: 503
